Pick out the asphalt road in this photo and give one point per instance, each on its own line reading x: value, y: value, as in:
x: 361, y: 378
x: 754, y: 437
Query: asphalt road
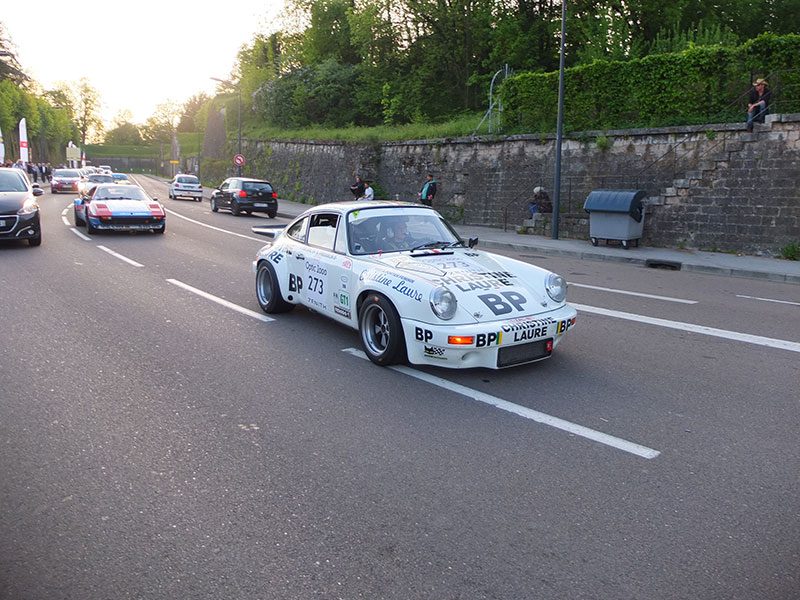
x: 157, y: 443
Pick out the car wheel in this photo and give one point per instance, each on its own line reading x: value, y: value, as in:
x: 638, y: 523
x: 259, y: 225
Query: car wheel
x: 37, y: 241
x: 78, y: 220
x: 199, y: 199
x: 169, y: 195
x: 271, y: 214
x: 89, y: 227
x: 162, y: 230
x: 268, y: 290
x: 381, y: 331
x: 214, y: 207
x: 625, y: 244
x: 235, y: 210
x: 594, y: 241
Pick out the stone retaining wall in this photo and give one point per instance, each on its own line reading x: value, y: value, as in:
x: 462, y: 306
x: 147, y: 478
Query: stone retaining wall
x: 715, y: 188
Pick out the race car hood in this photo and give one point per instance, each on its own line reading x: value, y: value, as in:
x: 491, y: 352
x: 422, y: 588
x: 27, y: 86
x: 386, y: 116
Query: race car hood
x: 484, y: 284
x: 122, y: 207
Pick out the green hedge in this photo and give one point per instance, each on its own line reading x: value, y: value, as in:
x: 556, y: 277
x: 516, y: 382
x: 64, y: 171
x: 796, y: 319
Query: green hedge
x: 706, y: 84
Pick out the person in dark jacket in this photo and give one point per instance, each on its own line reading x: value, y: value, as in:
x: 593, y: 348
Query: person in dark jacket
x: 758, y: 104
x: 358, y: 188
x: 428, y: 190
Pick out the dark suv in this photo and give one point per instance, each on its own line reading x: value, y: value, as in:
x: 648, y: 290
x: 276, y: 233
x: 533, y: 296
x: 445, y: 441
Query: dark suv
x: 19, y: 210
x: 245, y: 195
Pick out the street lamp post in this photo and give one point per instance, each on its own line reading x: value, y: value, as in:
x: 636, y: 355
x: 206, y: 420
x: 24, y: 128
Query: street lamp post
x: 239, y: 115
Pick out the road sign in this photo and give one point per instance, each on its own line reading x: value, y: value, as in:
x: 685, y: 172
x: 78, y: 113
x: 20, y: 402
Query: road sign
x: 174, y: 162
x: 239, y: 160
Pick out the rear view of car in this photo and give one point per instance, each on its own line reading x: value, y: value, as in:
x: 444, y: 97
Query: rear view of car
x: 65, y: 180
x: 186, y: 186
x: 19, y: 210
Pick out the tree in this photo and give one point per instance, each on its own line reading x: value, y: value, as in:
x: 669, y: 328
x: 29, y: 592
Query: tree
x: 9, y: 65
x: 87, y: 107
x: 188, y: 120
x: 163, y: 123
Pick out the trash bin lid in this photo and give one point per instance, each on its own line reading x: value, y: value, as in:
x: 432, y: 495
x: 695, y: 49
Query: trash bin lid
x: 616, y: 201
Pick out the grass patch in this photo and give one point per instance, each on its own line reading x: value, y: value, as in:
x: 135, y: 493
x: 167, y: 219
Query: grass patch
x: 95, y: 151
x: 791, y: 251
x: 461, y: 126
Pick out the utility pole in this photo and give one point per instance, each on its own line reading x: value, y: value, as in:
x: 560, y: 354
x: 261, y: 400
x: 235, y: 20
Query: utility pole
x: 238, y: 87
x: 559, y: 125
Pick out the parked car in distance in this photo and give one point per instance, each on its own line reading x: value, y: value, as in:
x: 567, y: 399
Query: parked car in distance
x: 19, y: 210
x: 186, y: 186
x: 65, y: 180
x: 245, y: 195
x: 115, y: 207
x: 400, y: 274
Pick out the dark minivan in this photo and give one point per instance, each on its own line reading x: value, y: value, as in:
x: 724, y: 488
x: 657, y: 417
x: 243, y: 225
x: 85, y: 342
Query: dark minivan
x: 19, y: 210
x: 245, y: 195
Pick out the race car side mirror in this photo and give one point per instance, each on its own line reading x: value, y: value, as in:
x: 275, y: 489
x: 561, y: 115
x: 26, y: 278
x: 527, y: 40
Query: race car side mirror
x: 472, y: 242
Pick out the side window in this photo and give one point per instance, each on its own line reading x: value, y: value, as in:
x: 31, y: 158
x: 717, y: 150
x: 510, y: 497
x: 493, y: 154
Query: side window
x: 322, y: 230
x: 225, y: 184
x: 298, y: 230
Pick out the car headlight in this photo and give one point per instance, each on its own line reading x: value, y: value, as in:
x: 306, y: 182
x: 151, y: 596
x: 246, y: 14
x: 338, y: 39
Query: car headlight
x: 30, y: 207
x: 556, y: 287
x: 443, y: 303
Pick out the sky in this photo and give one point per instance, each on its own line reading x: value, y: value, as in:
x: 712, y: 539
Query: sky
x: 136, y: 54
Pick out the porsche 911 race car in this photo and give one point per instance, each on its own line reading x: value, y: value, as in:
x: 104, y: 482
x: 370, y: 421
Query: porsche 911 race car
x: 399, y: 274
x: 119, y: 207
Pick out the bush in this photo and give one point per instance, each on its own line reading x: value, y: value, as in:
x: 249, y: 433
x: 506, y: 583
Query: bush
x: 791, y: 251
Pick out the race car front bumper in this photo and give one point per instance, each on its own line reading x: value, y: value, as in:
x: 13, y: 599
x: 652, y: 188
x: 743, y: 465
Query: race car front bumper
x: 491, y: 345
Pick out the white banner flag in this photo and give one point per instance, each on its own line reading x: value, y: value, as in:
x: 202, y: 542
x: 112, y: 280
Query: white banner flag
x: 2, y: 149
x: 23, y: 142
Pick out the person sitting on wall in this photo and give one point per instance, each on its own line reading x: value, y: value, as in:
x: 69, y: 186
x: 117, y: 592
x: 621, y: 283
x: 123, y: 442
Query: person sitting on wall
x: 758, y: 104
x: 540, y: 203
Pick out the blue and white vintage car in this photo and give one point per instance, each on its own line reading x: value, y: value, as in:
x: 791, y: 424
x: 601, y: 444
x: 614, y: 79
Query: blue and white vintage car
x: 119, y: 207
x: 415, y: 291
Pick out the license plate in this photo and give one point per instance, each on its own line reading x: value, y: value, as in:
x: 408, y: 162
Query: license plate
x: 260, y: 205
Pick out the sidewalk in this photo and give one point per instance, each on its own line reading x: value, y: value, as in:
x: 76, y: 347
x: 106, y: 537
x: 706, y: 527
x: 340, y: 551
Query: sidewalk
x: 717, y: 263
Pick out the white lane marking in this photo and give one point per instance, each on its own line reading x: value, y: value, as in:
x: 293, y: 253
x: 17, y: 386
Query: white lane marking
x: 768, y: 299
x: 79, y: 234
x: 534, y: 415
x: 64, y: 216
x: 119, y: 256
x: 222, y: 301
x: 702, y: 329
x: 247, y: 237
x: 639, y: 294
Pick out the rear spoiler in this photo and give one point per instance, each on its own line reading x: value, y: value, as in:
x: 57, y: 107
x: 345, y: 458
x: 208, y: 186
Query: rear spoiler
x: 269, y: 231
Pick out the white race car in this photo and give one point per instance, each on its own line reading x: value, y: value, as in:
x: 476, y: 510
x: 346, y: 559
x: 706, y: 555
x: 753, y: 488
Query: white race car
x: 400, y: 274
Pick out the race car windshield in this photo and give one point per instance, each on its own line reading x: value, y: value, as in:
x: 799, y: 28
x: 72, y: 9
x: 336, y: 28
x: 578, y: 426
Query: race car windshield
x: 384, y: 230
x: 121, y: 193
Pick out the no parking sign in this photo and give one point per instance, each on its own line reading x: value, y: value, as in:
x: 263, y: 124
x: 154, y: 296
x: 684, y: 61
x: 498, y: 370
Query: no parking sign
x: 239, y: 160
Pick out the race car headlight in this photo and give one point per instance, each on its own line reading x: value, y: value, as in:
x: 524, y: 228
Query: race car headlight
x: 30, y: 207
x: 443, y: 303
x: 556, y: 287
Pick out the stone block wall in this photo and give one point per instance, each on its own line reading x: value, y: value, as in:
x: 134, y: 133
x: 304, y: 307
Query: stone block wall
x: 712, y: 187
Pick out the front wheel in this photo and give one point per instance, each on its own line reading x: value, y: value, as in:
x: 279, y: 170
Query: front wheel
x: 381, y: 331
x: 89, y: 227
x: 214, y: 207
x: 593, y: 241
x: 162, y: 229
x: 625, y: 244
x: 36, y: 241
x: 78, y: 219
x: 268, y: 290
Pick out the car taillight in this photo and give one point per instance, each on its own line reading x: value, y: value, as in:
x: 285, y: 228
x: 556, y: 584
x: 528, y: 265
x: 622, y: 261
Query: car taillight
x: 242, y: 194
x: 274, y: 195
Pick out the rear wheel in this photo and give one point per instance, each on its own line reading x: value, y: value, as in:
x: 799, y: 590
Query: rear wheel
x: 625, y: 244
x: 271, y: 214
x: 594, y: 241
x: 235, y: 210
x: 381, y: 331
x: 268, y: 290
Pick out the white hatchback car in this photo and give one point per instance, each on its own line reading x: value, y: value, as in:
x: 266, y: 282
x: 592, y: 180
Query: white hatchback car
x: 186, y: 186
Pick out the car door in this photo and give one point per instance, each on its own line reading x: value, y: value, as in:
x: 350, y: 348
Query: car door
x: 219, y: 194
x: 322, y: 265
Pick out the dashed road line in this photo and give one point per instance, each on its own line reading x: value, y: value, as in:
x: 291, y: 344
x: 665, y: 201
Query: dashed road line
x: 221, y: 301
x: 180, y: 216
x: 534, y: 415
x: 627, y: 293
x: 768, y: 300
x: 691, y: 328
x: 120, y: 256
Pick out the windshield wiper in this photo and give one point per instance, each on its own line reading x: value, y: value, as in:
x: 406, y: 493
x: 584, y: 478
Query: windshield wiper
x: 439, y: 244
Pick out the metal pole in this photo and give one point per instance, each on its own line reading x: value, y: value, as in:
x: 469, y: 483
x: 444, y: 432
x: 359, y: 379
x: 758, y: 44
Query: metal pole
x: 559, y: 123
x: 239, y: 91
